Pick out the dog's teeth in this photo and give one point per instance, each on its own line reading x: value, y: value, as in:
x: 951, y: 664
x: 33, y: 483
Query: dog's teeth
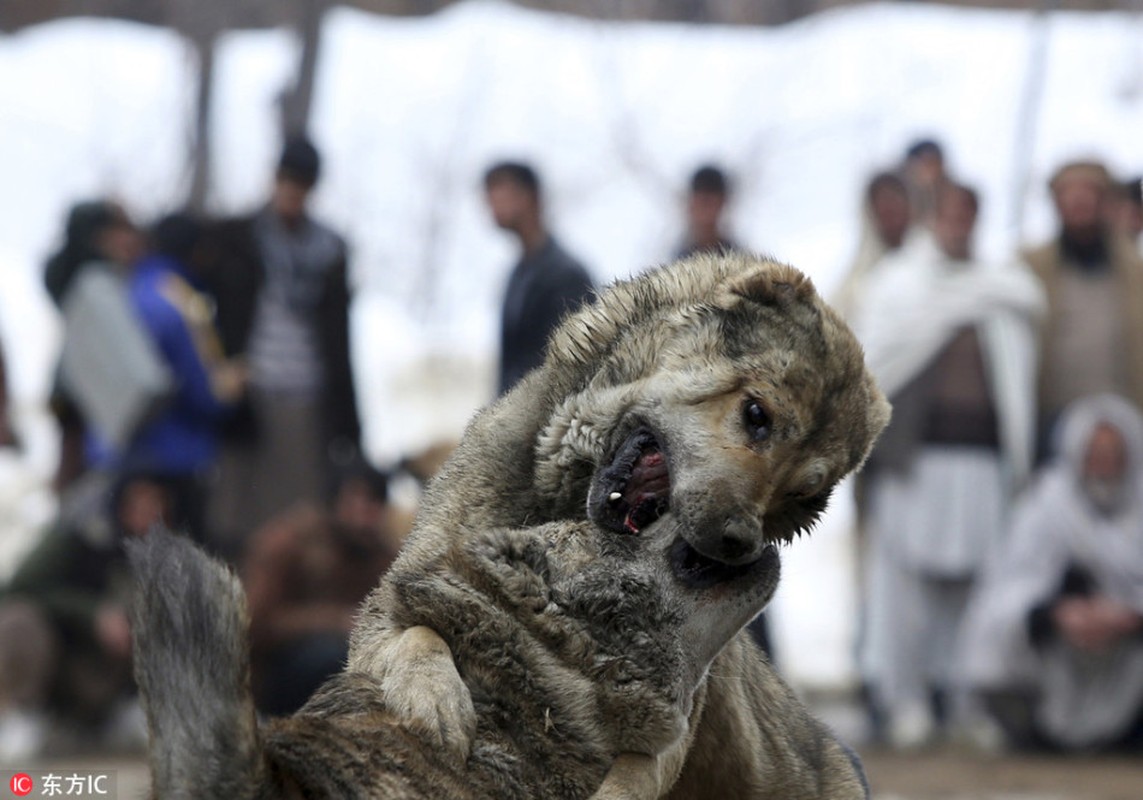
x: 615, y: 496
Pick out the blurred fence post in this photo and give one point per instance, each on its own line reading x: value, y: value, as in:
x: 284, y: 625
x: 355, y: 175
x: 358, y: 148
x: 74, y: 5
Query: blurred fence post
x: 201, y: 22
x: 200, y: 135
x: 1028, y: 118
x: 296, y: 101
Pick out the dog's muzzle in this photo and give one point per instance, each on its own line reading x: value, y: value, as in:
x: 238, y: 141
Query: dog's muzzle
x: 634, y: 488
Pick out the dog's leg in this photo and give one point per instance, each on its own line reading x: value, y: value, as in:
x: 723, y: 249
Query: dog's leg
x: 421, y: 686
x: 633, y: 776
x: 756, y: 739
x: 638, y: 776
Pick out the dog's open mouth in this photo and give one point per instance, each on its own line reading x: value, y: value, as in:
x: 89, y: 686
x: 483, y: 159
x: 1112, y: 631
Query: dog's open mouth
x: 696, y: 571
x: 634, y: 490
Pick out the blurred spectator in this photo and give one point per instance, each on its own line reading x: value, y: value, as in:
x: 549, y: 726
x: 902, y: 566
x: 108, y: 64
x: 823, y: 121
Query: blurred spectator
x: 98, y: 235
x: 180, y: 444
x: 1055, y: 635
x: 885, y: 228
x: 952, y: 343
x: 65, y: 645
x: 279, y: 282
x: 97, y: 232
x: 7, y: 431
x: 884, y: 224
x: 546, y: 283
x: 706, y: 202
x: 1093, y: 337
x: 306, y: 572
x: 1128, y: 216
x: 924, y: 172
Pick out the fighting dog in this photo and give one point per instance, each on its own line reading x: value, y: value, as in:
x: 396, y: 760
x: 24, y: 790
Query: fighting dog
x: 719, y: 391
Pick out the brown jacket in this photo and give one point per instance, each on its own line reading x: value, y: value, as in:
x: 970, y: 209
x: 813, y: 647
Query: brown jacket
x: 1127, y: 264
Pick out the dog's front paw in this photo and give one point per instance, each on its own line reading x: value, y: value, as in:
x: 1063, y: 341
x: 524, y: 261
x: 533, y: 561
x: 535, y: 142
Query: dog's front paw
x: 423, y: 688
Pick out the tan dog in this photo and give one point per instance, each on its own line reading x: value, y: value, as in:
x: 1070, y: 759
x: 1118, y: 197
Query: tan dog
x: 720, y: 389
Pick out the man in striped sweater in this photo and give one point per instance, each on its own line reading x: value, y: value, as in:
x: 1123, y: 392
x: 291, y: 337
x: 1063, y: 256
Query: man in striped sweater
x: 278, y: 278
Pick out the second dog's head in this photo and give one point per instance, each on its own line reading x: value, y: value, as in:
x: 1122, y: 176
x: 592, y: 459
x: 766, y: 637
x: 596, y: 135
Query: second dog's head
x: 623, y: 643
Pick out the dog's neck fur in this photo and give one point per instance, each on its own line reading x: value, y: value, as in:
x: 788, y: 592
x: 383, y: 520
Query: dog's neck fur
x: 582, y: 629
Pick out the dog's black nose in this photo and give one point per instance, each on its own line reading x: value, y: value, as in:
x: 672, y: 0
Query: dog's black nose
x: 740, y: 542
x: 729, y: 538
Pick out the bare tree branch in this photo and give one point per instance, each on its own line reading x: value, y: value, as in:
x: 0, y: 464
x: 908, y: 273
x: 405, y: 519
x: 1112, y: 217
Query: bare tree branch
x: 296, y: 102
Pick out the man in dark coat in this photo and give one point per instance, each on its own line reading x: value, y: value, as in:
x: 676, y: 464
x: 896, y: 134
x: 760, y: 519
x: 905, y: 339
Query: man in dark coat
x: 279, y: 281
x: 547, y: 281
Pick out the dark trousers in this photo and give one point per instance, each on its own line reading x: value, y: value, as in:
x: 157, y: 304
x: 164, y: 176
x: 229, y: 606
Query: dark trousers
x: 290, y: 674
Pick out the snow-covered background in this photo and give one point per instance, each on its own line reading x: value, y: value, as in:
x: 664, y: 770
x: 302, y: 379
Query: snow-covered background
x: 409, y: 112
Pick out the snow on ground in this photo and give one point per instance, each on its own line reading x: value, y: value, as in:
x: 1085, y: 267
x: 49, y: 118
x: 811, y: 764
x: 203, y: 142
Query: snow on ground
x: 615, y: 115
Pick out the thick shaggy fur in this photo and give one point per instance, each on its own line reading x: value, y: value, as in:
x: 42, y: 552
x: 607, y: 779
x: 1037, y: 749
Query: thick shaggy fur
x: 684, y: 353
x: 576, y: 644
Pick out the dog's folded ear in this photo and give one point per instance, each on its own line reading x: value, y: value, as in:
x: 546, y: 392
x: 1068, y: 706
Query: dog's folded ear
x: 774, y: 284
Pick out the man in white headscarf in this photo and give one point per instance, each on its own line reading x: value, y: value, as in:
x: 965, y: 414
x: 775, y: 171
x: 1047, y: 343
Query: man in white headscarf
x: 885, y: 229
x: 1054, y: 638
x: 952, y: 342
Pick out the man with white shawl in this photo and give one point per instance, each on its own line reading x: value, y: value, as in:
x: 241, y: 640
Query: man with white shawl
x: 1054, y: 637
x: 885, y: 229
x: 952, y: 342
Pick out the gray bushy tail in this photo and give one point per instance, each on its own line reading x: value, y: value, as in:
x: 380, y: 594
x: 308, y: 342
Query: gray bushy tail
x: 192, y: 665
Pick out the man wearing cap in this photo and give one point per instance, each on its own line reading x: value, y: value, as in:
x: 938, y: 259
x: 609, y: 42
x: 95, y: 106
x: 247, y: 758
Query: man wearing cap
x: 1092, y: 340
x: 278, y: 278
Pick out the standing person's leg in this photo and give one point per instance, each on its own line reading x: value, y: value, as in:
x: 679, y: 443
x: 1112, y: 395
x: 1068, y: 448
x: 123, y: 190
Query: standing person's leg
x: 947, y: 601
x: 231, y: 513
x: 906, y: 689
x: 896, y: 629
x: 974, y: 508
x: 281, y: 468
x: 291, y: 456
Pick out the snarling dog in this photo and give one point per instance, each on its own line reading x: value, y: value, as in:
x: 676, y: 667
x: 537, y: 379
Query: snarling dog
x: 575, y: 645
x: 719, y: 391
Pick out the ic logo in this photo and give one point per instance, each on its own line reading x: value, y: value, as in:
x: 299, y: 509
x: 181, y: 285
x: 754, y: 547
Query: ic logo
x: 21, y: 784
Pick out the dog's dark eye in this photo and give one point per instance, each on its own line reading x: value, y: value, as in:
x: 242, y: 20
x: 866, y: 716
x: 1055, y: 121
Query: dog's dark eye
x: 757, y: 421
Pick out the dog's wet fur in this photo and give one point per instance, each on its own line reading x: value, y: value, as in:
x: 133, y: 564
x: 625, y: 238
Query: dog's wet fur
x: 694, y: 418
x: 758, y: 399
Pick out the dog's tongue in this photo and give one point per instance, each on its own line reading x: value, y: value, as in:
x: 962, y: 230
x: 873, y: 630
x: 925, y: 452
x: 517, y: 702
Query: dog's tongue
x: 647, y: 491
x: 649, y: 477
